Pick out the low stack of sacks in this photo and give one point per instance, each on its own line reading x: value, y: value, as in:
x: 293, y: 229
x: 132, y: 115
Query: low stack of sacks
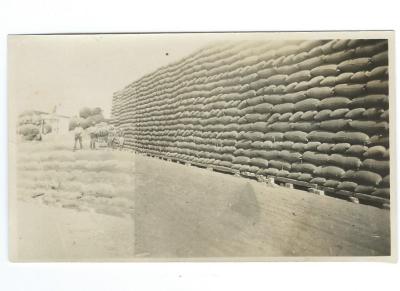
x: 312, y: 111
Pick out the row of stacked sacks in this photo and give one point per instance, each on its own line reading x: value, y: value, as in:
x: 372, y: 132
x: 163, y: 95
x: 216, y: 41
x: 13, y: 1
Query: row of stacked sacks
x: 312, y: 111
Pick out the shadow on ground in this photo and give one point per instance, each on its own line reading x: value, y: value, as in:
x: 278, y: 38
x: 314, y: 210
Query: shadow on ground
x: 186, y: 212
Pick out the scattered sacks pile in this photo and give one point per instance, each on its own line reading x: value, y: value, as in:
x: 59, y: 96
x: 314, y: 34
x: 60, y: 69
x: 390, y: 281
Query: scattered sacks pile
x: 312, y: 111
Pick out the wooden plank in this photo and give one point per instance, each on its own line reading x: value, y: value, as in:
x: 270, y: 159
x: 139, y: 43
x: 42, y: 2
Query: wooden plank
x: 354, y: 199
x: 223, y: 169
x: 292, y: 181
x: 289, y: 185
x: 248, y: 174
x: 383, y: 202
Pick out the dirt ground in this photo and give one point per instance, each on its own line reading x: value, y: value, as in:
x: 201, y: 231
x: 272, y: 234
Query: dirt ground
x: 120, y: 206
x: 190, y: 212
x: 47, y: 233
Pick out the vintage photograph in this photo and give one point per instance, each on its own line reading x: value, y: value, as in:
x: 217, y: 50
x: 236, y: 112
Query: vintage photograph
x: 201, y: 147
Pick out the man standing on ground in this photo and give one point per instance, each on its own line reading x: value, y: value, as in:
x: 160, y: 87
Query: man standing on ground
x: 78, y: 131
x: 111, y: 139
x: 92, y: 137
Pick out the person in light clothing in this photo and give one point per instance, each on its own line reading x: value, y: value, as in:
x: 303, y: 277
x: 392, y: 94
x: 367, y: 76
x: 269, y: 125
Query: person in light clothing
x: 93, y: 137
x: 111, y: 139
x: 78, y: 131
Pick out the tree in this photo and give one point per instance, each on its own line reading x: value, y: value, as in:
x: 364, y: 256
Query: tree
x: 96, y: 111
x: 95, y: 119
x: 74, y: 121
x: 29, y: 131
x: 85, y: 112
x: 29, y: 124
x: 87, y: 117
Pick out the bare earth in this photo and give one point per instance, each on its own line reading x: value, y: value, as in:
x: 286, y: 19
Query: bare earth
x: 190, y: 212
x: 187, y: 212
x: 47, y: 233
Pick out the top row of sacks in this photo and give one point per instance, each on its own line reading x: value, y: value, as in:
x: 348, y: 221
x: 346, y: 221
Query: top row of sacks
x: 315, y: 67
x: 290, y: 54
x: 302, y: 62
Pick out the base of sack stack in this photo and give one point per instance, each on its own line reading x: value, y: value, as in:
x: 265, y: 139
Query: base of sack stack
x: 357, y: 198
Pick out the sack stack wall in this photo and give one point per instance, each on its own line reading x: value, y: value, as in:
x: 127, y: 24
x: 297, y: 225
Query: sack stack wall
x: 310, y: 111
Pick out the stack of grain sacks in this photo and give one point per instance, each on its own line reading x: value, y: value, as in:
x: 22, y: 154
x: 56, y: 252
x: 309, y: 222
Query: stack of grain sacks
x: 312, y: 111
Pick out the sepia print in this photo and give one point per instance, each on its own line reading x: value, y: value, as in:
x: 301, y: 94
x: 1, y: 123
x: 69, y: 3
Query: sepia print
x: 206, y: 146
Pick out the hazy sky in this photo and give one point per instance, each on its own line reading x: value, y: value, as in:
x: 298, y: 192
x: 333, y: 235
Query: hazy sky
x: 73, y: 71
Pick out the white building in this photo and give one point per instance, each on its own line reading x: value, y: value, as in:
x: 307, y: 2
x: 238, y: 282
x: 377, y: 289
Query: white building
x: 59, y: 123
